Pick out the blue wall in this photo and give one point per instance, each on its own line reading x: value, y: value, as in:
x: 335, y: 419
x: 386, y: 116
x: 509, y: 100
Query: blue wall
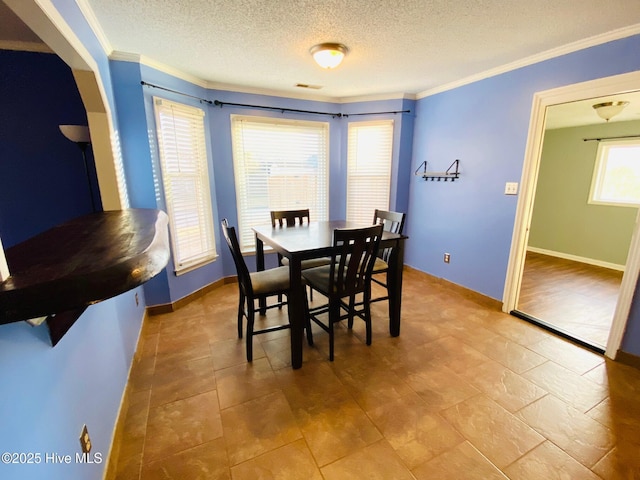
x: 47, y: 393
x: 485, y: 125
x: 42, y: 174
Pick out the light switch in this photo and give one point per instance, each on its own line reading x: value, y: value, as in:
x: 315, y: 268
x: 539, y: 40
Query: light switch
x: 511, y: 188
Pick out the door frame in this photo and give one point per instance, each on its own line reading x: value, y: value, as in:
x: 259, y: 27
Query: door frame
x: 541, y: 100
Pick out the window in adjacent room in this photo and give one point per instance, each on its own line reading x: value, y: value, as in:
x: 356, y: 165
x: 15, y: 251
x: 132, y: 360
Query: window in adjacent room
x: 185, y: 181
x: 278, y: 165
x: 369, y: 154
x: 616, y: 177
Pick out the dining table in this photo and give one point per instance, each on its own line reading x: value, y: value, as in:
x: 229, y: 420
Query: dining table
x: 315, y: 240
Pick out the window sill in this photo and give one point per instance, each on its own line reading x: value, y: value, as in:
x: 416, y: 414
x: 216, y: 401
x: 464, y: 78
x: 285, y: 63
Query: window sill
x: 195, y: 266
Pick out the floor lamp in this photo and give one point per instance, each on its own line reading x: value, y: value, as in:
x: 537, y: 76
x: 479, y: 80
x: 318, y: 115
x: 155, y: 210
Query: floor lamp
x: 79, y: 134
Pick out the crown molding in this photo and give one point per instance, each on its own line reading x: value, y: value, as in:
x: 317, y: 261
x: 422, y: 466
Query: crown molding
x: 95, y: 26
x: 302, y: 95
x: 378, y: 97
x: 15, y: 45
x: 161, y: 67
x: 540, y: 57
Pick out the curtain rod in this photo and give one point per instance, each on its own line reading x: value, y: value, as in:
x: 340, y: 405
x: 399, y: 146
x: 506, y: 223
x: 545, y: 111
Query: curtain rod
x: 279, y: 109
x: 175, y: 91
x: 609, y: 138
x: 375, y: 113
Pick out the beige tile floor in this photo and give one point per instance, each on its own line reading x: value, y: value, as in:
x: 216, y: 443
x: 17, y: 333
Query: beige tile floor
x: 465, y: 392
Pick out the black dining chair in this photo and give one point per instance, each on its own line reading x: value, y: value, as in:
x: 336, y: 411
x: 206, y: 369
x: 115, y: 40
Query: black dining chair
x: 391, y: 222
x: 347, y: 275
x: 290, y: 218
x: 255, y: 286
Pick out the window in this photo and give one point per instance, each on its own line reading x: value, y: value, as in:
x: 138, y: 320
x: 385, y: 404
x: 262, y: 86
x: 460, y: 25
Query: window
x: 616, y: 177
x: 185, y: 180
x: 121, y: 181
x: 278, y: 165
x: 368, y: 169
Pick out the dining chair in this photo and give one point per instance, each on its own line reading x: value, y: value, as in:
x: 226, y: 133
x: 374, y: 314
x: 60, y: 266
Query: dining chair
x: 348, y: 274
x: 391, y: 222
x: 255, y: 286
x: 290, y: 218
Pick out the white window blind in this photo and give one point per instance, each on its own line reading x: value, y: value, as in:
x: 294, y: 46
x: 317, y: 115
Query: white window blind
x: 369, y: 154
x: 123, y: 193
x: 278, y: 165
x: 616, y: 177
x: 185, y: 180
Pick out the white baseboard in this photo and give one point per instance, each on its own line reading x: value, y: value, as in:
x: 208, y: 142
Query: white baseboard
x: 576, y: 258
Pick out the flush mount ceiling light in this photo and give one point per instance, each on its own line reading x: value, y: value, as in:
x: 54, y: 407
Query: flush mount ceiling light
x: 328, y: 55
x: 608, y: 110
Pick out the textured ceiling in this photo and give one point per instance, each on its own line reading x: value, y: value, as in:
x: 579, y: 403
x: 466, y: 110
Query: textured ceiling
x: 396, y: 47
x: 403, y: 47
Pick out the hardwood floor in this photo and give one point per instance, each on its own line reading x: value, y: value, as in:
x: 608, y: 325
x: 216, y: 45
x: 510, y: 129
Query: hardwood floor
x: 575, y: 297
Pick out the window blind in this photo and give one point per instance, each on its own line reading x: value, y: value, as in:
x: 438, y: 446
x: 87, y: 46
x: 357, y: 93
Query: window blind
x: 185, y: 181
x: 278, y: 165
x: 123, y: 193
x: 369, y: 154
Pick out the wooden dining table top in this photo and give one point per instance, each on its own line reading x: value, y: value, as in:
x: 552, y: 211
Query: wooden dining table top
x: 314, y: 237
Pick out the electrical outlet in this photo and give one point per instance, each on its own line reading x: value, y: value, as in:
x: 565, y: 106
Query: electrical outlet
x: 447, y: 258
x: 85, y: 441
x: 511, y: 188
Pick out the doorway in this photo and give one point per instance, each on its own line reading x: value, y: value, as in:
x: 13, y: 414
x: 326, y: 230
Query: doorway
x: 518, y: 271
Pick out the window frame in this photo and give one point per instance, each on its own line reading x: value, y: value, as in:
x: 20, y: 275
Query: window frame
x: 196, y: 173
x: 318, y: 212
x: 600, y: 169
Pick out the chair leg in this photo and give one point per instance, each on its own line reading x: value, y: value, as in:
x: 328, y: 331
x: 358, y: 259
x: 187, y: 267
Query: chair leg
x: 279, y: 295
x: 240, y: 313
x: 367, y: 315
x: 251, y: 314
x: 334, y: 316
x: 352, y: 306
x: 307, y: 318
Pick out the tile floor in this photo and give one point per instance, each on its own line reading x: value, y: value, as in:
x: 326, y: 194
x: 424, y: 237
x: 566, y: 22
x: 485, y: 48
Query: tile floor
x: 465, y: 392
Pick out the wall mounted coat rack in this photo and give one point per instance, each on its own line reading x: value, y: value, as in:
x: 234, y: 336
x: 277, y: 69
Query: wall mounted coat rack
x: 451, y: 172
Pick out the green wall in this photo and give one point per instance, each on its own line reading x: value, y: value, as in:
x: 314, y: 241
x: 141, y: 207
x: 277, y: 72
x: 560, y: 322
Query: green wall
x: 562, y: 219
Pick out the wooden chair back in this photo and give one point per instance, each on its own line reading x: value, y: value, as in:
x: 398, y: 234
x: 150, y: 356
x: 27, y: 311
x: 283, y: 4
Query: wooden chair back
x: 244, y: 278
x: 391, y: 222
x: 288, y: 218
x: 353, y: 257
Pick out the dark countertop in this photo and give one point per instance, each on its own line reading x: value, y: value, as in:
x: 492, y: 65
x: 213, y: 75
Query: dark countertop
x: 83, y: 261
